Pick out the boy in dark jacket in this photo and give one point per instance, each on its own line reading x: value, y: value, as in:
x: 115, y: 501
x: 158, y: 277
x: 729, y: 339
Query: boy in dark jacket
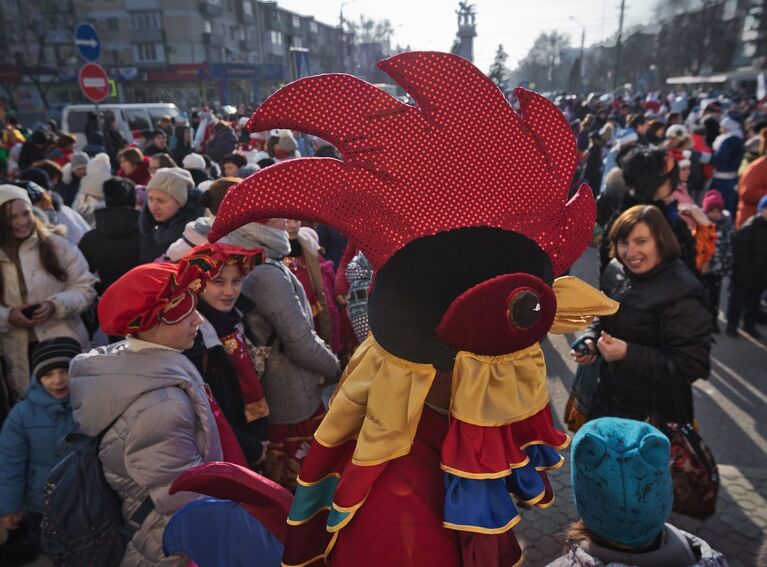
x: 112, y: 248
x: 30, y: 433
x: 749, y: 274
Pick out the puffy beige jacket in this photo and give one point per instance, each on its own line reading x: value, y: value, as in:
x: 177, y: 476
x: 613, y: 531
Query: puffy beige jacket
x: 164, y: 426
x: 70, y: 297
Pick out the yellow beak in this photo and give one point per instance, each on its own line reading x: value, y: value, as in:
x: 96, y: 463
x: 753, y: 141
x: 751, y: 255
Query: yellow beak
x: 577, y: 305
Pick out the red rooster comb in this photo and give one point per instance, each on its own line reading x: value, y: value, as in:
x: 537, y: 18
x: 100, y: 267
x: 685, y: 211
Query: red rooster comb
x: 461, y: 157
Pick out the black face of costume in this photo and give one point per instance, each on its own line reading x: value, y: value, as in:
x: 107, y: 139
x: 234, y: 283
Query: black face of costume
x: 415, y: 288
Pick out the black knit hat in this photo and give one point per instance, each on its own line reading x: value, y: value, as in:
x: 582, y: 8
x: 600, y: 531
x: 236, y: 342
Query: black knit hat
x: 119, y: 192
x: 53, y: 353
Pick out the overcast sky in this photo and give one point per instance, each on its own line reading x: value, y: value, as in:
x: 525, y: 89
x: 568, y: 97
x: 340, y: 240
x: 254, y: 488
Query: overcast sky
x: 432, y: 24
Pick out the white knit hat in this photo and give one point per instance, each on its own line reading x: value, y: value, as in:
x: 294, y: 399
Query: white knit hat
x: 174, y: 181
x: 99, y: 169
x: 193, y: 161
x: 11, y: 193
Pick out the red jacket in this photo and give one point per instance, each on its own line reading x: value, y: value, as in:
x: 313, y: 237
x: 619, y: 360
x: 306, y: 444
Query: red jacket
x: 752, y: 187
x: 140, y: 175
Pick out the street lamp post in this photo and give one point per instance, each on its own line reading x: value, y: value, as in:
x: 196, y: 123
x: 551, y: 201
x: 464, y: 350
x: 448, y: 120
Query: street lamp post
x: 583, y: 40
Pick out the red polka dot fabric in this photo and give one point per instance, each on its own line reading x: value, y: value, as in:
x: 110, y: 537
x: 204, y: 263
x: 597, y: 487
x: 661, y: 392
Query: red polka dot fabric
x: 460, y: 157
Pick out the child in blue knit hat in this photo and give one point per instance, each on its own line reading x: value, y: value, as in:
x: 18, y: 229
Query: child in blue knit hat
x: 623, y: 494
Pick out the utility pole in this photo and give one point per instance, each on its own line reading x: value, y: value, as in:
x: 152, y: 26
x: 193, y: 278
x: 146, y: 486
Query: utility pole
x: 618, y: 46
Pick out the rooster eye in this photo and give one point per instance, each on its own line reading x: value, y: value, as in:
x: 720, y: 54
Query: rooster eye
x: 524, y: 309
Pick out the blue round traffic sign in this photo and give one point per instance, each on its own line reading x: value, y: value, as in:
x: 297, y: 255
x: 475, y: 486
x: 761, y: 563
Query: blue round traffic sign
x: 87, y: 42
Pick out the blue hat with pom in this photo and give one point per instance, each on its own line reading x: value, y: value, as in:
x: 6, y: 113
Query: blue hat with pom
x: 621, y: 479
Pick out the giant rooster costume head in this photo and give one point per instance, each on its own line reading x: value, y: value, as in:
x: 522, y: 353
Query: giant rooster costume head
x: 461, y: 205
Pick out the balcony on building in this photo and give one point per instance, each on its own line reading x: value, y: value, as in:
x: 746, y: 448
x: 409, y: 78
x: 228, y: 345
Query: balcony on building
x: 146, y: 36
x: 214, y: 39
x: 212, y: 8
x: 142, y: 5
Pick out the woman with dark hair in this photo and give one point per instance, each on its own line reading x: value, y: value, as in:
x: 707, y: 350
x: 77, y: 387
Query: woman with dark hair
x: 651, y: 175
x: 659, y: 342
x: 134, y: 165
x: 44, y: 285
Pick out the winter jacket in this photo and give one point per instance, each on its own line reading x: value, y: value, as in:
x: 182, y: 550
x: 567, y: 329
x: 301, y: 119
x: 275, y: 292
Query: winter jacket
x: 299, y: 358
x: 140, y: 174
x: 677, y: 549
x: 721, y: 262
x: 683, y: 235
x: 28, y: 448
x: 30, y: 153
x: 152, y: 149
x: 214, y: 365
x: 195, y: 233
x: 611, y: 198
x: 157, y: 237
x: 69, y: 218
x: 333, y: 242
x: 753, y: 186
x: 86, y: 206
x: 163, y: 427
x: 664, y: 317
x: 70, y: 298
x: 750, y: 250
x: 359, y: 274
x: 222, y: 144
x: 111, y: 248
x: 69, y: 186
x: 728, y: 153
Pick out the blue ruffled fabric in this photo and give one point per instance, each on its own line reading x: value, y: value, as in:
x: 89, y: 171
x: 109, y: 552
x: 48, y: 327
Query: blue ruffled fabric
x: 486, y: 505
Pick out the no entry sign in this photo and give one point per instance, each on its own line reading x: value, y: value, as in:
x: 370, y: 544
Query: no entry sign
x: 94, y: 82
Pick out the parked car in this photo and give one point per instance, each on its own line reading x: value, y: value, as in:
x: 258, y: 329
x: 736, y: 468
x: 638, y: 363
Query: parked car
x: 130, y: 119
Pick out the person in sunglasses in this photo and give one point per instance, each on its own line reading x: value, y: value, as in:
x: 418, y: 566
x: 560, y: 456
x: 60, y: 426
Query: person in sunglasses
x: 148, y: 399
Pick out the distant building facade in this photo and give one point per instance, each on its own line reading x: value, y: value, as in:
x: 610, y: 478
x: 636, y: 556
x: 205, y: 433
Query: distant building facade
x: 189, y: 52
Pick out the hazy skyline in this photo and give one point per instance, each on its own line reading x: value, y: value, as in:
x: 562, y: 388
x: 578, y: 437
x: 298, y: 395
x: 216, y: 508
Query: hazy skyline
x: 514, y: 23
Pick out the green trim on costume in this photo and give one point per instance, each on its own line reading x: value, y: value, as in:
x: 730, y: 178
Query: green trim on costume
x: 311, y: 499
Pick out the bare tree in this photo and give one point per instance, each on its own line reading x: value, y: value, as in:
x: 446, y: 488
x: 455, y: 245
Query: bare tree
x: 368, y: 30
x: 498, y: 71
x: 34, y: 23
x: 542, y: 63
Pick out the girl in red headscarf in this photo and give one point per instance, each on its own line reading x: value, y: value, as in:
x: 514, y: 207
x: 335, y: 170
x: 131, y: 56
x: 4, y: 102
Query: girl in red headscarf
x: 220, y: 352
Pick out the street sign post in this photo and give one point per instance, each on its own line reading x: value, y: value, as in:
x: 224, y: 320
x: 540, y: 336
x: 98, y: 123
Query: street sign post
x: 87, y: 42
x: 94, y: 82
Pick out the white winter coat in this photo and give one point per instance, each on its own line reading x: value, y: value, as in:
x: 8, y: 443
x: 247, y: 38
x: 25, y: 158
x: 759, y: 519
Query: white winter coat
x: 70, y: 298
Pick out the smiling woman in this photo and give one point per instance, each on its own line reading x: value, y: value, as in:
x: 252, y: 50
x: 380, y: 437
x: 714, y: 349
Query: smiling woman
x: 658, y: 343
x: 44, y: 285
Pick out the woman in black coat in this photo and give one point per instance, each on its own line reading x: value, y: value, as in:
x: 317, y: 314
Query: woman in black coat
x: 658, y: 343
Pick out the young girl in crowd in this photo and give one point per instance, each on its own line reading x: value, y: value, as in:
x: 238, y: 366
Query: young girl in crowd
x: 220, y: 352
x: 44, y: 285
x: 720, y: 264
x: 30, y: 433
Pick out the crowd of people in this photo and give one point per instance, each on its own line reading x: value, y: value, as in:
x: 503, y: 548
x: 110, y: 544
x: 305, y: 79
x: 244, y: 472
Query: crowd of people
x: 109, y: 326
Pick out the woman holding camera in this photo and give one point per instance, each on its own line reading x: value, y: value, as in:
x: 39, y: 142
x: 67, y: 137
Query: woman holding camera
x: 44, y: 285
x: 658, y: 343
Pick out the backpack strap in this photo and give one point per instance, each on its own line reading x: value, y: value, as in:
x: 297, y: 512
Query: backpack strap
x: 137, y: 518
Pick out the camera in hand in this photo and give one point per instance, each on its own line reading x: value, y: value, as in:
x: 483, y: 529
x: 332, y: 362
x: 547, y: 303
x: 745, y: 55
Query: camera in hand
x: 28, y: 312
x: 584, y: 349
